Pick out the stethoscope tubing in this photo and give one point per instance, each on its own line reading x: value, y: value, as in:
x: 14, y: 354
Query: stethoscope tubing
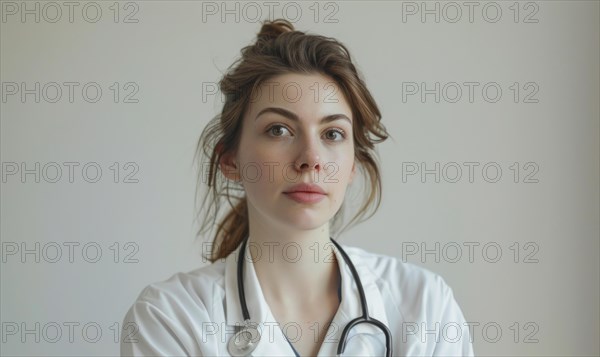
x: 364, y: 318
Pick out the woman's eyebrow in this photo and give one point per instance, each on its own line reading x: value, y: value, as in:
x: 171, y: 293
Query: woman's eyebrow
x: 286, y: 113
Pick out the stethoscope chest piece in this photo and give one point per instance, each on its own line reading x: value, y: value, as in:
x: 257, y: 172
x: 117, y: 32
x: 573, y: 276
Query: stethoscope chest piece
x: 244, y: 341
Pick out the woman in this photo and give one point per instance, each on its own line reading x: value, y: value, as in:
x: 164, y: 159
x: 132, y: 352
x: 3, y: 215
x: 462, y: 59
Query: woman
x: 297, y: 123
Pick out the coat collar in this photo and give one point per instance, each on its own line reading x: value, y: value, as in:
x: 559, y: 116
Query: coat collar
x: 273, y: 341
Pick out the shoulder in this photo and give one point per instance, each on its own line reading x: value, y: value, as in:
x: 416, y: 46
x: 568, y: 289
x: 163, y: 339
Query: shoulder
x: 184, y: 286
x: 418, y: 302
x: 384, y: 266
x: 184, y: 294
x: 413, y: 288
x: 167, y: 315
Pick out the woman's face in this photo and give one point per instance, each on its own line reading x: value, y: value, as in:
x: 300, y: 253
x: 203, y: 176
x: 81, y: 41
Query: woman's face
x: 297, y: 129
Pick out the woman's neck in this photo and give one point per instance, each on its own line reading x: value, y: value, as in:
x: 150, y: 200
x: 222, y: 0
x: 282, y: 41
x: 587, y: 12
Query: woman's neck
x: 295, y: 268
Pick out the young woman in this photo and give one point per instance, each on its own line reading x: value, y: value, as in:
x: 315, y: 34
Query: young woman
x: 297, y: 124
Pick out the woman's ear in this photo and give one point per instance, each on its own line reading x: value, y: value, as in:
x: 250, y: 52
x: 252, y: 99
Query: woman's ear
x: 229, y: 166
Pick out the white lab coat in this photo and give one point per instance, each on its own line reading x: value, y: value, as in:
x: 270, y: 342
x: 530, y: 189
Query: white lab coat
x: 196, y: 313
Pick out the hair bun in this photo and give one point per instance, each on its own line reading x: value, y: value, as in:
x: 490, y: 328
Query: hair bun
x: 272, y: 29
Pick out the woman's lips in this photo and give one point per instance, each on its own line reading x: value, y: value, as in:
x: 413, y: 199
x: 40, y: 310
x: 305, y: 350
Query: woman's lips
x: 305, y: 197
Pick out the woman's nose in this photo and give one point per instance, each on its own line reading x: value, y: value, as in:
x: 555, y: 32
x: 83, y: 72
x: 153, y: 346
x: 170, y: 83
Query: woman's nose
x: 309, y: 160
x: 309, y: 157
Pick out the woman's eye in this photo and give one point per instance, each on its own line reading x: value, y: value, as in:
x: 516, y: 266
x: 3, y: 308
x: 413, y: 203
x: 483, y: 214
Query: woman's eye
x: 337, y: 134
x: 279, y: 129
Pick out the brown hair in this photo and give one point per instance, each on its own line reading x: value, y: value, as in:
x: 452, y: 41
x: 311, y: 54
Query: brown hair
x: 280, y: 49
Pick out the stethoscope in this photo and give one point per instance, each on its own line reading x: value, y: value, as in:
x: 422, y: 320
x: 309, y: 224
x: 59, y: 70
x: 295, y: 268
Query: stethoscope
x: 248, y: 337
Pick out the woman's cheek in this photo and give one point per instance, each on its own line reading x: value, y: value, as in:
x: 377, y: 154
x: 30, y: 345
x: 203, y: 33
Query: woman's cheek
x: 338, y: 168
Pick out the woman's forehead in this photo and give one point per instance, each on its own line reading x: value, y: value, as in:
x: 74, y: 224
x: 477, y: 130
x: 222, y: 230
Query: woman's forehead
x: 301, y: 93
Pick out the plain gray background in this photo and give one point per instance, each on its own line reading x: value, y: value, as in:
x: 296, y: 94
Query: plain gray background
x: 533, y: 271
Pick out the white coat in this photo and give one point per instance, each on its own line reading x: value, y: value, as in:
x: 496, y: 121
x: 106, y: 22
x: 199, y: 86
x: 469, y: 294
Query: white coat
x: 196, y: 313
